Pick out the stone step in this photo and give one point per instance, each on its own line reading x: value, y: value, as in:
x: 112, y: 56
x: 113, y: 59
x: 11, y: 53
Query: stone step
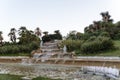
x: 49, y: 46
x: 51, y: 50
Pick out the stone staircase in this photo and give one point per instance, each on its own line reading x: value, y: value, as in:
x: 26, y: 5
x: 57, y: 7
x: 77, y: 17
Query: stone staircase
x: 51, y: 48
x: 49, y: 52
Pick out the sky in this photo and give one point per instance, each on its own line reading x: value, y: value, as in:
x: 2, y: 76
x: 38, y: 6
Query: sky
x: 51, y: 15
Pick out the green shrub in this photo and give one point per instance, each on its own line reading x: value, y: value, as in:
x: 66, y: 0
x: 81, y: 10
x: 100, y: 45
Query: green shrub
x: 92, y: 38
x: 72, y: 44
x: 21, y: 48
x: 86, y: 36
x: 99, y: 44
x: 105, y: 34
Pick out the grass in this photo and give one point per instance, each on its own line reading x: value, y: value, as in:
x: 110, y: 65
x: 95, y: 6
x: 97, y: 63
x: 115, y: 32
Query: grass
x: 9, y: 77
x: 16, y: 77
x: 115, y: 52
x: 42, y: 78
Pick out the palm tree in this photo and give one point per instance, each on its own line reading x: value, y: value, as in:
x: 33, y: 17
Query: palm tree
x: 57, y: 35
x: 86, y: 29
x: 12, y: 35
x: 91, y: 28
x: 1, y: 38
x: 38, y: 32
x: 106, y: 17
x: 97, y: 25
x: 22, y: 29
x: 72, y: 35
x: 26, y: 36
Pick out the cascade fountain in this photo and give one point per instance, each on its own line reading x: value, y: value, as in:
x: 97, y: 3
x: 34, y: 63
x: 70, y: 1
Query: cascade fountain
x: 64, y: 49
x: 41, y: 43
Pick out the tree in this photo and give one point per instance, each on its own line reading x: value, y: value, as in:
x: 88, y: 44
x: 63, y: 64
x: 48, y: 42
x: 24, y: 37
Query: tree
x: 38, y: 32
x: 106, y: 17
x: 46, y: 37
x: 72, y: 35
x: 12, y: 35
x: 1, y: 38
x: 106, y: 25
x: 22, y: 30
x: 57, y: 35
x: 27, y: 36
x: 86, y: 29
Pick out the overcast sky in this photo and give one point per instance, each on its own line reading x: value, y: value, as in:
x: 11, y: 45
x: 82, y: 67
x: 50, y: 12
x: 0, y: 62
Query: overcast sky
x: 51, y: 15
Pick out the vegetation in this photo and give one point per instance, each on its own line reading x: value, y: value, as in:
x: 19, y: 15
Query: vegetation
x: 18, y: 48
x: 51, y: 37
x: 12, y: 35
x: 110, y: 52
x: 97, y: 37
x: 43, y: 78
x: 27, y: 36
x: 16, y: 77
x: 28, y: 41
x: 106, y: 25
x: 72, y: 44
x: 92, y: 45
x: 1, y: 38
x: 9, y: 77
x: 97, y: 45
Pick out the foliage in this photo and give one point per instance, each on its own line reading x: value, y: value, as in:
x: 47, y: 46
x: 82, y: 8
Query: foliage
x: 97, y: 45
x: 38, y: 32
x: 21, y: 48
x: 105, y: 34
x: 92, y: 38
x: 72, y: 35
x: 43, y: 78
x: 12, y: 35
x: 1, y: 38
x: 9, y: 77
x: 72, y: 44
x: 106, y: 27
x: 46, y: 38
x: 51, y: 37
x: 27, y: 36
x: 17, y: 77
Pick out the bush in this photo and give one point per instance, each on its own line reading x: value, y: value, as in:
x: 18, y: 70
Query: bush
x: 92, y: 38
x: 51, y: 37
x: 99, y: 44
x: 46, y: 38
x: 105, y: 34
x: 15, y: 49
x: 72, y: 44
